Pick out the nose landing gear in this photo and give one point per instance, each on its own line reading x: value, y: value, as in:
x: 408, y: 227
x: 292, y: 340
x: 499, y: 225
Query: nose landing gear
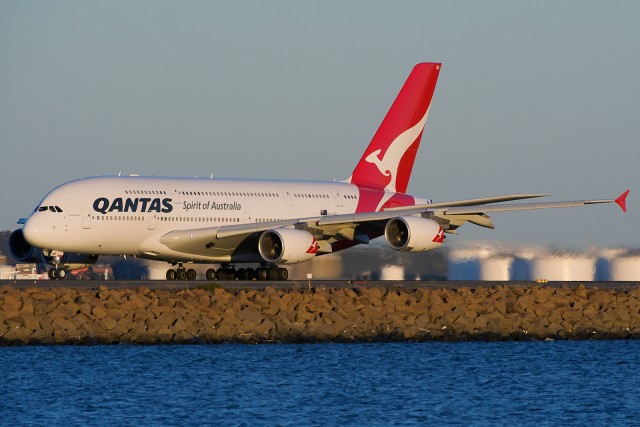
x: 57, y: 273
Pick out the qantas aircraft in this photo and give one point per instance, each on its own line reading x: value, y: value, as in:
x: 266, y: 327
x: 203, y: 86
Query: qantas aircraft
x: 265, y: 222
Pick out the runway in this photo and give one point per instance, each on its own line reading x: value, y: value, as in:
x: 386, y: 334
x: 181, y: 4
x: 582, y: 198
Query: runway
x: 303, y: 284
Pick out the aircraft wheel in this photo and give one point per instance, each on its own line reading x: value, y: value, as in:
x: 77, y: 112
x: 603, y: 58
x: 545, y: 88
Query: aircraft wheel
x: 61, y: 274
x: 181, y: 274
x: 171, y: 274
x: 211, y: 274
x: 191, y: 274
x: 261, y: 274
x: 52, y: 274
x: 272, y: 274
x: 251, y: 274
x: 283, y: 274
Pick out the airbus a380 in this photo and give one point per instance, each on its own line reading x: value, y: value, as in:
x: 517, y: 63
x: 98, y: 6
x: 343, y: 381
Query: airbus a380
x: 266, y: 222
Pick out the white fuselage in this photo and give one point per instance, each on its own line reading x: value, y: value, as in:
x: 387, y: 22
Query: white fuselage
x: 129, y: 215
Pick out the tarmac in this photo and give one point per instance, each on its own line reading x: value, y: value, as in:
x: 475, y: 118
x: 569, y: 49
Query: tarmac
x: 303, y: 284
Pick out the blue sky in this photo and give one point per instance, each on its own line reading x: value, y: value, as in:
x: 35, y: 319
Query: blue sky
x: 532, y: 97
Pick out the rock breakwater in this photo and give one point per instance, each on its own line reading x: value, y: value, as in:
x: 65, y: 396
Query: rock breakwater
x: 145, y: 316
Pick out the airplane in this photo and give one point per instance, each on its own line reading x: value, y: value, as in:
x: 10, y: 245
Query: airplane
x: 266, y: 222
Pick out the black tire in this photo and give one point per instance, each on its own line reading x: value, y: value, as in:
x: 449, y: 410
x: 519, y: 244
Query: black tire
x: 251, y: 274
x: 61, y: 274
x: 191, y: 274
x: 52, y: 274
x: 283, y: 274
x: 211, y: 274
x: 261, y: 274
x: 171, y: 274
x: 181, y: 274
x: 272, y: 274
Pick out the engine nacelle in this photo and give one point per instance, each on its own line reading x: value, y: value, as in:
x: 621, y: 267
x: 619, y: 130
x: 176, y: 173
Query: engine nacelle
x: 287, y: 246
x: 22, y: 251
x: 413, y: 234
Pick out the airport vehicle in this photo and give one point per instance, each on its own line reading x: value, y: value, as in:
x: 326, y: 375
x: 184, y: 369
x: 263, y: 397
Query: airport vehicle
x: 266, y: 222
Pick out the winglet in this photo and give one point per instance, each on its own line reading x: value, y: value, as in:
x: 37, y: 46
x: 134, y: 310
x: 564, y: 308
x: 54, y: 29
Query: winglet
x: 622, y: 201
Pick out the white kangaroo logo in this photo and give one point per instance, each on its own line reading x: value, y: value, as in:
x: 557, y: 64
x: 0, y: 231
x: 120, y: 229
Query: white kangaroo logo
x: 388, y: 165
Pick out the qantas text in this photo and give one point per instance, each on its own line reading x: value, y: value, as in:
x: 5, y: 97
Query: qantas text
x: 143, y: 204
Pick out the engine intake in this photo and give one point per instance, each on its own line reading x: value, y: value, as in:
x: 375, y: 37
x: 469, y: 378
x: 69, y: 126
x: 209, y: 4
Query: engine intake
x: 21, y: 250
x: 413, y: 234
x: 287, y: 246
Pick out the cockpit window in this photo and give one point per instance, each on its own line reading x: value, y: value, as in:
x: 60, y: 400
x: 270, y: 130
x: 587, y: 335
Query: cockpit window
x: 49, y: 208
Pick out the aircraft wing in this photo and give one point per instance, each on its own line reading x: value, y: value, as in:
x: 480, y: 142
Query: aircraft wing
x: 357, y: 226
x: 455, y: 216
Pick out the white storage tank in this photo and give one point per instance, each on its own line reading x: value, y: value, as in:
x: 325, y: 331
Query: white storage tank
x: 625, y: 268
x: 564, y: 267
x: 325, y: 267
x: 496, y: 268
x: 392, y: 272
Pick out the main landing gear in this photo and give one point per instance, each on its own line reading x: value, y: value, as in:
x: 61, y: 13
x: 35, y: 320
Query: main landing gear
x: 228, y: 272
x: 181, y: 273
x: 262, y: 273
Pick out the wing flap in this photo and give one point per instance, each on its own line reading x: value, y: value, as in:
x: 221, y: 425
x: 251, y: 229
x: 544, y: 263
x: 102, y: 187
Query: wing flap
x: 469, y: 202
x: 519, y: 207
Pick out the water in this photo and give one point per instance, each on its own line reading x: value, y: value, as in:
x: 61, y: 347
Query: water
x: 505, y: 383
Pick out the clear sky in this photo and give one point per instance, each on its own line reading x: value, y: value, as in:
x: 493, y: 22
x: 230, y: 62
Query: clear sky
x: 533, y: 97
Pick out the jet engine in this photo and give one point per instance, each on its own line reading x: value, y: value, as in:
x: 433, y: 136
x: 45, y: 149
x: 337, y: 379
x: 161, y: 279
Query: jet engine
x: 22, y: 251
x: 413, y: 234
x: 287, y: 246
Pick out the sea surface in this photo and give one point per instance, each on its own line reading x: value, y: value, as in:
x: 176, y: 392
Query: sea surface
x: 499, y: 383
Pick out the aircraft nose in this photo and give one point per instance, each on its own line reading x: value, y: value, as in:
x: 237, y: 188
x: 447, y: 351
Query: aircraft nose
x: 32, y: 231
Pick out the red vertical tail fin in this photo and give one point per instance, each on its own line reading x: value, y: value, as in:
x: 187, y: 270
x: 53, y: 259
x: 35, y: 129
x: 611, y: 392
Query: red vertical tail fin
x: 388, y: 160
